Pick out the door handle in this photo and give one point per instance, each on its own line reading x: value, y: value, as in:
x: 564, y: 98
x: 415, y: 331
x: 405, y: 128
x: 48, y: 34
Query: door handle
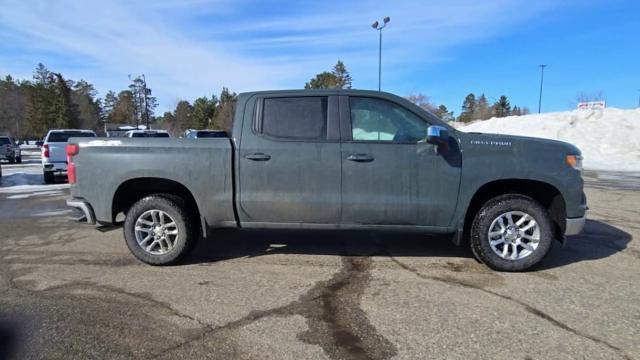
x: 258, y: 157
x: 360, y: 158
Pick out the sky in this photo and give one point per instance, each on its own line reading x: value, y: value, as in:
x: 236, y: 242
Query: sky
x: 442, y: 49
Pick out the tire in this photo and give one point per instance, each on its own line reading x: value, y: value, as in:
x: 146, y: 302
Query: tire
x: 12, y: 160
x: 19, y: 159
x: 49, y: 177
x: 168, y: 250
x: 489, y: 218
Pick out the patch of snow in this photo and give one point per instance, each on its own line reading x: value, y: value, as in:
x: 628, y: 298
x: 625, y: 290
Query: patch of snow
x: 609, y: 139
x: 34, y: 194
x: 31, y: 188
x: 52, y: 213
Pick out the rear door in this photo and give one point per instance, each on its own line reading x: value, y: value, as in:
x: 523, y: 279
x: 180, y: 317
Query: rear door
x: 289, y: 161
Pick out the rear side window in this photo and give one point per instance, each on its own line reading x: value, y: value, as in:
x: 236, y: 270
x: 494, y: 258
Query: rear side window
x: 211, y: 134
x: 64, y: 136
x: 149, y: 135
x: 295, y: 118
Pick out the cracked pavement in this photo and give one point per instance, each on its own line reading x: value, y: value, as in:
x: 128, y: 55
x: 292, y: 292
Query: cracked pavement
x: 68, y: 291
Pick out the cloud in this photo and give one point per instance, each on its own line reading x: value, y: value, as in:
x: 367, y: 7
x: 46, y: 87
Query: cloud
x: 193, y: 48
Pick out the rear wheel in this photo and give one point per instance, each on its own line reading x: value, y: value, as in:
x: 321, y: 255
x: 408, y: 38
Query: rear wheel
x: 49, y: 177
x: 158, y: 230
x: 19, y: 159
x: 511, y: 233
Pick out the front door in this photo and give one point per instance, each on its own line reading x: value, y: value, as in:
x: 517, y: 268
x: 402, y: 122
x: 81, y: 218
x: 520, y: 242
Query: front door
x: 390, y: 176
x: 290, y: 162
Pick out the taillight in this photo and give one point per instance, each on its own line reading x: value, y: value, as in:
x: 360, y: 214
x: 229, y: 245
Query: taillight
x: 72, y: 150
x: 46, y: 150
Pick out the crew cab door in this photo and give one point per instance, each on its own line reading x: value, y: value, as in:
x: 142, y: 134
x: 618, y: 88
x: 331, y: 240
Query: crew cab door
x: 289, y: 161
x: 390, y: 175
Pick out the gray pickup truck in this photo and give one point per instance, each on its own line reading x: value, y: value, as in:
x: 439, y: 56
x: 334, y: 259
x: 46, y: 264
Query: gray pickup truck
x: 334, y: 159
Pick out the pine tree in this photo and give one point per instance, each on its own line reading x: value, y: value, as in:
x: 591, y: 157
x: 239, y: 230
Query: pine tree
x: 110, y: 101
x: 482, y: 110
x: 183, y: 114
x: 443, y: 113
x: 468, y: 108
x: 203, y: 112
x: 502, y: 107
x: 223, y: 118
x: 323, y: 80
x: 342, y: 75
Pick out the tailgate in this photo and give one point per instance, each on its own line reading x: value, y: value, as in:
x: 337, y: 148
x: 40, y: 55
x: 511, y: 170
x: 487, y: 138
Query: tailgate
x: 57, y: 152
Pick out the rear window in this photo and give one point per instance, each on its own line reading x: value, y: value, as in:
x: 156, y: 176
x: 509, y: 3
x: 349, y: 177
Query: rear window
x: 4, y: 141
x: 141, y: 135
x: 295, y: 118
x: 64, y: 136
x: 211, y: 134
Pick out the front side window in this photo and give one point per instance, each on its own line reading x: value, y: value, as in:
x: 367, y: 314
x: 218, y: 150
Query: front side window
x: 295, y: 117
x: 380, y: 120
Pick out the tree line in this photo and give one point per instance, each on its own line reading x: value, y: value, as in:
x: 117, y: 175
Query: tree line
x: 29, y: 108
x: 473, y: 107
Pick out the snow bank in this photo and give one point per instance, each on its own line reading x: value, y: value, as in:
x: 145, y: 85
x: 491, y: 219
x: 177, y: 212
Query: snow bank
x: 609, y: 139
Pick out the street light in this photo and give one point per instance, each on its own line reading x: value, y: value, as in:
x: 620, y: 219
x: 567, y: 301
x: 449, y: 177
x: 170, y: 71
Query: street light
x: 377, y: 26
x: 541, y: 81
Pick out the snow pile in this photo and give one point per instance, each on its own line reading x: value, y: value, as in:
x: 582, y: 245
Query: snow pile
x: 609, y: 139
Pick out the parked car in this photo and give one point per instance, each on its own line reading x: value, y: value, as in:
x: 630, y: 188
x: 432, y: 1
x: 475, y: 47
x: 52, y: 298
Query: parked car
x: 10, y: 150
x: 335, y: 159
x: 146, y: 134
x: 196, y: 134
x: 53, y: 156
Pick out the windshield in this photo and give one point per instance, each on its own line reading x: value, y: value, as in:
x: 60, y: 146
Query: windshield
x: 5, y: 141
x: 160, y: 135
x: 64, y: 136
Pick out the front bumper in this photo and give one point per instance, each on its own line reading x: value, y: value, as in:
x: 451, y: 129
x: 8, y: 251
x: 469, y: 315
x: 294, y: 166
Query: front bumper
x: 575, y: 225
x: 86, y: 209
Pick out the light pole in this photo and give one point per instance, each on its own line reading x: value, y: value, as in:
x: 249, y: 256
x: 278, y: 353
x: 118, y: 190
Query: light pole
x: 541, y: 81
x: 376, y: 26
x: 638, y: 99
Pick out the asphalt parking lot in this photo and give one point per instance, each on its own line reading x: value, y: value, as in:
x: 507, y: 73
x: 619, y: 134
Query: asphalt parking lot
x: 68, y: 291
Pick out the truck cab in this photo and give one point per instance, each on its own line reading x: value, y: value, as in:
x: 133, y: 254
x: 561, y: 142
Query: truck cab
x: 336, y: 159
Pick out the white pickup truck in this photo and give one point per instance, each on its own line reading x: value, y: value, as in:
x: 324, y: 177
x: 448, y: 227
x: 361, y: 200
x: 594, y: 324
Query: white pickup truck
x: 54, y: 157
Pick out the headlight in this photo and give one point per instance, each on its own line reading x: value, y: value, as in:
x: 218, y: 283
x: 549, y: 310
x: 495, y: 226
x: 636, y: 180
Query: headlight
x: 575, y: 161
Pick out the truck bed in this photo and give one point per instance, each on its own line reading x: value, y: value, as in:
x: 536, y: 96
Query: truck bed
x: 202, y: 167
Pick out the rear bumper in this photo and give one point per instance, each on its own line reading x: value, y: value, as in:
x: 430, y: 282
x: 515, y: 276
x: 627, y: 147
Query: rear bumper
x: 575, y: 226
x: 60, y: 167
x: 86, y: 209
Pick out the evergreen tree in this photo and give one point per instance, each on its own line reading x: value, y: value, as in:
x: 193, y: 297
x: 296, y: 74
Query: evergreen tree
x: 183, y: 117
x: 223, y: 118
x: 63, y: 113
x: 203, y: 112
x: 84, y: 98
x: 468, y: 108
x: 444, y: 113
x: 482, y: 110
x: 323, y: 80
x: 342, y: 75
x: 124, y: 110
x: 110, y: 102
x: 502, y: 107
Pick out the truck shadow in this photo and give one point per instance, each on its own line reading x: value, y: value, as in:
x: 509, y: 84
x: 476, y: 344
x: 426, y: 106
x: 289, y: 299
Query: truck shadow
x: 599, y: 241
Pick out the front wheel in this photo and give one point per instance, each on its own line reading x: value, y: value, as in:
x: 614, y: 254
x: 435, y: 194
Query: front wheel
x: 19, y: 159
x: 511, y: 233
x: 158, y: 230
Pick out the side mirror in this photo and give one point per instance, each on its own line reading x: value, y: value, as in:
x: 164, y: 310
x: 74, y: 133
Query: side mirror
x: 39, y: 143
x: 438, y: 135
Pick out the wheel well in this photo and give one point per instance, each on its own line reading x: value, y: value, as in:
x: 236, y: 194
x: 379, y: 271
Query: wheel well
x: 547, y: 195
x: 133, y: 190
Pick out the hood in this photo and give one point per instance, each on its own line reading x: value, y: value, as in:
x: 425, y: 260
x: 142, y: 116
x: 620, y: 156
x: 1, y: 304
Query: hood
x: 522, y: 143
